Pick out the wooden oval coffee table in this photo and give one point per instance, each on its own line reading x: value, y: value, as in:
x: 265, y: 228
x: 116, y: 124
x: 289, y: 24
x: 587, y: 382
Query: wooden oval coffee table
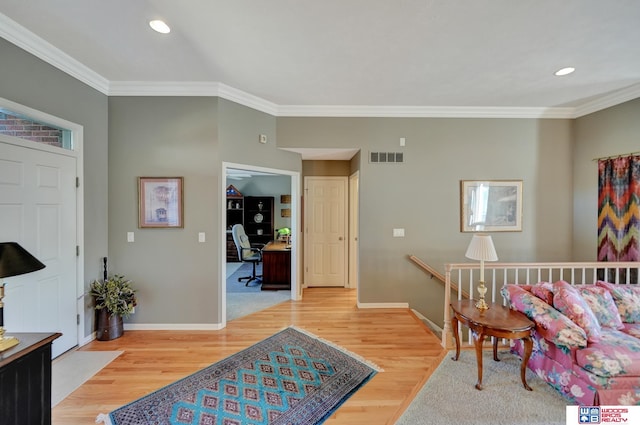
x: 498, y: 321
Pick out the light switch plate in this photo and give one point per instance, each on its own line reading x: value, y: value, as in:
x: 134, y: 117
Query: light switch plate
x: 201, y: 237
x: 130, y: 237
x: 398, y: 233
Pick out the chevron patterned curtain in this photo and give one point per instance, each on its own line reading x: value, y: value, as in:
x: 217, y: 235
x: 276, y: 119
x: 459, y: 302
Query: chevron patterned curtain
x: 619, y: 209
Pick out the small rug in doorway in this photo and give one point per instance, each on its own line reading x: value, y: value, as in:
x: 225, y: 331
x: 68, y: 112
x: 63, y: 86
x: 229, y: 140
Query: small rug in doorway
x: 291, y: 377
x: 243, y: 304
x: 233, y: 286
x: 74, y: 368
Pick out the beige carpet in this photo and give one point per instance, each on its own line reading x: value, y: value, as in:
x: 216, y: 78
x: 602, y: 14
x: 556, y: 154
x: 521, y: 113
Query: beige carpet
x: 74, y: 368
x: 449, y: 397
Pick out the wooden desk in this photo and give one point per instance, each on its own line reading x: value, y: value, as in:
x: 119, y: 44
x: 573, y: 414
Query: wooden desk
x: 276, y: 266
x: 498, y: 321
x: 25, y: 380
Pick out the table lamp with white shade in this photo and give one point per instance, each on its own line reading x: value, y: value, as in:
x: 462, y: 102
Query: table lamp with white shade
x: 481, y: 248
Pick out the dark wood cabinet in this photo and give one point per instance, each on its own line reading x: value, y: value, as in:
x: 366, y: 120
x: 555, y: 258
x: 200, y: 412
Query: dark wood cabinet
x: 258, y: 219
x: 235, y: 212
x: 25, y: 380
x: 235, y: 215
x: 276, y: 266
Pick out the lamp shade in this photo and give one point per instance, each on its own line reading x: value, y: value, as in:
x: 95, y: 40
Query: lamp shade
x: 481, y: 248
x: 15, y: 260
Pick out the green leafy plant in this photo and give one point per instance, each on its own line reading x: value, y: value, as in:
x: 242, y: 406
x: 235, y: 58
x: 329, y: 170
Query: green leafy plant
x: 115, y: 294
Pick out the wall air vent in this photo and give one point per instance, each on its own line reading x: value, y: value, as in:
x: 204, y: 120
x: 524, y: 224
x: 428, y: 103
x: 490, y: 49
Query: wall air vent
x: 386, y: 157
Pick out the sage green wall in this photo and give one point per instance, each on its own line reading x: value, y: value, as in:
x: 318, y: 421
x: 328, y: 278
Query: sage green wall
x: 240, y: 128
x: 354, y: 164
x: 610, y: 132
x: 29, y: 81
x: 326, y: 168
x: 422, y: 195
x: 176, y: 276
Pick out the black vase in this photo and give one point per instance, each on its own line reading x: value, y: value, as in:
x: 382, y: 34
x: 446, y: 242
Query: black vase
x: 109, y: 326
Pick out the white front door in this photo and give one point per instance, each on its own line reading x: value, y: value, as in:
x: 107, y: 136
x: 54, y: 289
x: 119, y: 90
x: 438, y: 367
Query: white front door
x: 325, y: 231
x: 38, y: 210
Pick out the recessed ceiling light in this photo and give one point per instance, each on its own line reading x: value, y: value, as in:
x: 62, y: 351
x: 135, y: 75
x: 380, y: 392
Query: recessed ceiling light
x: 160, y: 26
x: 564, y: 71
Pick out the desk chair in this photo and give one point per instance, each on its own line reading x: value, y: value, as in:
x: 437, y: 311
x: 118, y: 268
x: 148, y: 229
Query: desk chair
x: 246, y: 253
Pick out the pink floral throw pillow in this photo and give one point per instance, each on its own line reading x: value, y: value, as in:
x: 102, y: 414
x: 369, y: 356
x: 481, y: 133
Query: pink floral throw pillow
x: 627, y: 299
x: 568, y: 300
x: 550, y: 323
x: 561, y: 284
x: 602, y: 305
x: 544, y: 291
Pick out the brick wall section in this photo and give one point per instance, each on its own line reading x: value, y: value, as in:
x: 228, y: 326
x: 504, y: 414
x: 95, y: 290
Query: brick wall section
x: 29, y: 130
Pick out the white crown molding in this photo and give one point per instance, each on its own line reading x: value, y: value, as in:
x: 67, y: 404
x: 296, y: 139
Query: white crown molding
x: 608, y: 100
x: 247, y: 99
x: 26, y: 40
x: 162, y: 88
x: 423, y: 112
x: 177, y: 88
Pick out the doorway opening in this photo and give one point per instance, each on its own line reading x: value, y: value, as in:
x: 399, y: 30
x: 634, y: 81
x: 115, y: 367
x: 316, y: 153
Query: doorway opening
x: 241, y: 176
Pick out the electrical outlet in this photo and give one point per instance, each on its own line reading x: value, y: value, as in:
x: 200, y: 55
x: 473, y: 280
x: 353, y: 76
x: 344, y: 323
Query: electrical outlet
x: 263, y: 138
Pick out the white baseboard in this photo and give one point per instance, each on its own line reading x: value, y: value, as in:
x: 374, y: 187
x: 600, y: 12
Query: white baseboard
x: 87, y: 339
x: 383, y: 305
x: 423, y: 318
x: 172, y: 326
x: 160, y: 327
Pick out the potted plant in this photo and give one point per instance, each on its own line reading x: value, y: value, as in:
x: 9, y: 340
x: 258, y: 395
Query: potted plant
x: 114, y: 299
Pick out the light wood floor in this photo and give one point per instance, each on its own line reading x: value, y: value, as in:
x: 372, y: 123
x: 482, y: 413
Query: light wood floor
x: 394, y: 339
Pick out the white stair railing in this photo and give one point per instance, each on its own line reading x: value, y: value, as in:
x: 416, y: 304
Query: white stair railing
x: 499, y: 274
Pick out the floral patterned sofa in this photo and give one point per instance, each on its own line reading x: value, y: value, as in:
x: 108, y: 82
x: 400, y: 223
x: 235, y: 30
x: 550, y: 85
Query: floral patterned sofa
x: 586, y: 340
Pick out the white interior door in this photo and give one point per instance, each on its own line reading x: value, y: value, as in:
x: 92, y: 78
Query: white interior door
x: 38, y: 210
x: 325, y: 231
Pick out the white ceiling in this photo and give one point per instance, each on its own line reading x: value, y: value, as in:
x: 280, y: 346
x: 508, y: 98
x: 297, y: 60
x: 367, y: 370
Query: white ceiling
x: 347, y: 57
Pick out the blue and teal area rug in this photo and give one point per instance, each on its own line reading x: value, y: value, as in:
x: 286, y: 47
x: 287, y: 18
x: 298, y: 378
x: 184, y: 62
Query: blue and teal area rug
x: 291, y: 377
